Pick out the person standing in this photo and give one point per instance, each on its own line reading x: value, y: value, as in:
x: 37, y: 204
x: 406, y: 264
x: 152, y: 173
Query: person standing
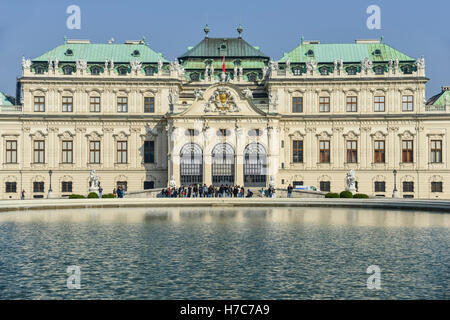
x: 22, y: 196
x: 100, y: 191
x: 114, y: 192
x: 289, y: 191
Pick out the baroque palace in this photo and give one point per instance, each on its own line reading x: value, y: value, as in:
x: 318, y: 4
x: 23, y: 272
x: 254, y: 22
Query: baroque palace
x: 224, y: 113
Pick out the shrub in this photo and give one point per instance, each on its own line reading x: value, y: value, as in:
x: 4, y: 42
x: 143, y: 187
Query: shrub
x: 346, y: 194
x: 332, y: 195
x: 361, y: 196
x: 76, y: 196
x: 92, y: 195
x: 108, y: 196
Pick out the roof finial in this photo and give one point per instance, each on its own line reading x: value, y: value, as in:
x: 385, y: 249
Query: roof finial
x: 206, y: 30
x: 302, y: 39
x: 239, y: 30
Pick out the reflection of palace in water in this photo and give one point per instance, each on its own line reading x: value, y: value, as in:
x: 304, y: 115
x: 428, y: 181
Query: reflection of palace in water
x: 224, y: 113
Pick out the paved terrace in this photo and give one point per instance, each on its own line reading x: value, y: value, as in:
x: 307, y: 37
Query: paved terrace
x: 383, y: 204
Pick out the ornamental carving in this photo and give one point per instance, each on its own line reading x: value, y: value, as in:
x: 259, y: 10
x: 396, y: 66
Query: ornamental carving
x: 221, y: 101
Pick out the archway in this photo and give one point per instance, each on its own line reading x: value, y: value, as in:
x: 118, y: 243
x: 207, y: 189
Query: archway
x: 255, y: 165
x: 222, y: 168
x: 191, y: 164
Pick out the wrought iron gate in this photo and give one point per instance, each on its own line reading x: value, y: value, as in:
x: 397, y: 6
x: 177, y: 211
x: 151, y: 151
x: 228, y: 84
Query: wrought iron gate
x: 255, y: 165
x: 222, y: 168
x: 191, y: 164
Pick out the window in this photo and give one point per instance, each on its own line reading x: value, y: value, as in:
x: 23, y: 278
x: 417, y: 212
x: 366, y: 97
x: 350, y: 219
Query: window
x: 297, y: 183
x: 122, y: 151
x: 149, y: 152
x: 408, y: 103
x: 39, y: 70
x: 379, y: 70
x: 325, y: 186
x: 352, y: 104
x: 149, y: 104
x: 67, y: 104
x: 324, y: 71
x: 436, y: 187
x: 351, y: 71
x: 407, y: 151
x: 407, y: 70
x: 149, y: 185
x: 67, y: 70
x: 95, y: 71
x: 67, y: 152
x: 223, y: 132
x: 297, y: 151
x: 379, y: 103
x: 122, y: 184
x: 66, y: 186
x: 94, y: 152
x: 436, y: 151
x: 38, y: 186
x: 190, y: 132
x: 194, y: 76
x: 379, y: 151
x: 39, y: 151
x: 123, y: 71
x: 95, y: 104
x: 252, y: 77
x: 11, y: 151
x: 122, y: 104
x: 352, y: 151
x: 324, y: 147
x: 149, y: 71
x: 408, y: 186
x: 297, y: 104
x: 297, y: 71
x: 380, y: 186
x: 324, y: 104
x: 11, y: 187
x: 39, y: 104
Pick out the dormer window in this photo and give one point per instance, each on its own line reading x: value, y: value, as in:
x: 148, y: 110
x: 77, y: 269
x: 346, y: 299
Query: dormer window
x: 379, y: 70
x: 69, y: 52
x: 68, y: 70
x: 194, y: 76
x: 123, y: 71
x: 297, y: 71
x: 237, y: 63
x: 377, y: 52
x: 95, y: 71
x: 324, y: 71
x: 149, y: 71
x: 39, y: 70
x: 252, y: 77
x: 223, y: 46
x: 351, y: 71
x: 310, y: 53
x: 136, y: 53
x: 407, y: 70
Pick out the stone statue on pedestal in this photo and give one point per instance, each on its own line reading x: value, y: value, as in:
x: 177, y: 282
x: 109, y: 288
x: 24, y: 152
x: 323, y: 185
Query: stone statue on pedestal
x: 93, y: 182
x: 351, y: 181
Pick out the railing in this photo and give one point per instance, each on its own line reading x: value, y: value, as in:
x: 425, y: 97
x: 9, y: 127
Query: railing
x: 11, y: 108
x: 435, y: 108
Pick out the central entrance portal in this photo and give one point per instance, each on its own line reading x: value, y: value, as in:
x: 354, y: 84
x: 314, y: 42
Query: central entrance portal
x: 222, y: 167
x: 255, y: 165
x: 191, y: 164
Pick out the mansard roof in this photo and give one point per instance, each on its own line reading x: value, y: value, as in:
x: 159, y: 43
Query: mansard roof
x: 71, y: 51
x: 219, y: 47
x: 440, y: 100
x: 348, y: 52
x: 6, y: 100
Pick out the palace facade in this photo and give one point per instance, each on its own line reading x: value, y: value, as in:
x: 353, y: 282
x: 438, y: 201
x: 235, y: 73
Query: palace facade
x: 144, y: 122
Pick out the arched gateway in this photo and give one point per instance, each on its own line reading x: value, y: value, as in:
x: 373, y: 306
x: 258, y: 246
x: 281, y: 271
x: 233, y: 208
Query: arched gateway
x: 222, y: 167
x: 255, y: 165
x: 191, y: 164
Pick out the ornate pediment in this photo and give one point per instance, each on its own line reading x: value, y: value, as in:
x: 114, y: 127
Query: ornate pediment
x: 221, y: 101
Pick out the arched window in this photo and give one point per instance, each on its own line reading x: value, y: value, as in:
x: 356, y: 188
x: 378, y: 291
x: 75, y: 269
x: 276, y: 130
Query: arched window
x: 68, y: 70
x: 95, y: 70
x: 297, y: 71
x: 379, y: 70
x: 351, y: 71
x: 39, y: 70
x: 252, y: 77
x: 222, y: 168
x: 149, y: 71
x: 122, y: 71
x: 255, y: 165
x: 407, y: 69
x: 194, y: 76
x: 323, y: 71
x: 191, y: 164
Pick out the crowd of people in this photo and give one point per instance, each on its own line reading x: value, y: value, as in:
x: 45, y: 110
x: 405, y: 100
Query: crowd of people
x: 203, y: 191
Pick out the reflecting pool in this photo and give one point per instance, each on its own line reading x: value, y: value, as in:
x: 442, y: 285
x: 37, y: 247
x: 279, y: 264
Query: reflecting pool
x: 224, y: 253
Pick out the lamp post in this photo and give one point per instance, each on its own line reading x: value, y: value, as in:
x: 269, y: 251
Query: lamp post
x: 50, y: 191
x: 395, y: 192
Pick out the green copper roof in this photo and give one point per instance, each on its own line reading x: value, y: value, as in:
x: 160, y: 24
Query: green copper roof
x: 229, y: 64
x: 439, y: 100
x: 5, y: 100
x: 120, y: 53
x: 219, y: 47
x: 352, y: 52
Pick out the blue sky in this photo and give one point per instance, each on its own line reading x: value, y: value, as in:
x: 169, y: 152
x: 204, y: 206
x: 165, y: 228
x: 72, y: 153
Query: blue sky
x: 416, y: 28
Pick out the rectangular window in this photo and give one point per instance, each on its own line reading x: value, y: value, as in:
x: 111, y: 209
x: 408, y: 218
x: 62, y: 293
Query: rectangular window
x: 436, y: 151
x: 38, y: 186
x: 122, y: 151
x: 11, y: 151
x: 408, y: 186
x: 297, y: 183
x: 67, y: 152
x: 380, y: 186
x: 436, y: 187
x: 39, y: 151
x: 408, y: 103
x: 352, y: 104
x: 39, y: 104
x: 94, y: 151
x: 407, y: 151
x: 297, y: 151
x: 352, y: 151
x: 122, y: 184
x: 325, y: 186
x: 122, y: 104
x: 324, y: 147
x: 67, y: 104
x: 11, y: 187
x: 324, y: 104
x: 149, y: 152
x: 379, y: 104
x: 66, y: 186
x: 379, y: 151
x: 223, y: 132
x: 149, y: 105
x: 149, y: 185
x: 95, y: 104
x: 297, y: 104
